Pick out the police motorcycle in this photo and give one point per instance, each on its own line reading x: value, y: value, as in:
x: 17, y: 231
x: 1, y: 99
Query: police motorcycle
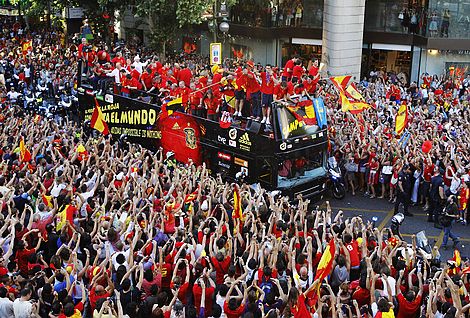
x: 335, y: 181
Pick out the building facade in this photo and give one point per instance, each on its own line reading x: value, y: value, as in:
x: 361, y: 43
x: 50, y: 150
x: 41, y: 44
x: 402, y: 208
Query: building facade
x: 353, y: 37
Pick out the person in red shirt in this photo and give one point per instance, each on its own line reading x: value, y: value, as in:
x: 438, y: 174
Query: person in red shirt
x: 212, y: 105
x: 146, y: 79
x: 409, y: 305
x: 98, y: 291
x: 195, y: 100
x: 288, y: 69
x: 354, y: 256
x: 208, y: 294
x: 298, y: 70
x: 185, y: 75
x: 103, y: 57
x: 118, y: 59
x: 314, y: 69
x: 268, y: 81
x: 253, y: 92
x: 183, y: 92
x: 129, y: 85
x: 240, y: 91
x: 283, y: 91
x: 22, y: 255
x: 232, y: 307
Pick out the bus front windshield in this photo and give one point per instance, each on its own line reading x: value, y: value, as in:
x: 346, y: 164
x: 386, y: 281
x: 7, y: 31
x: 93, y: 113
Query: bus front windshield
x: 301, y: 166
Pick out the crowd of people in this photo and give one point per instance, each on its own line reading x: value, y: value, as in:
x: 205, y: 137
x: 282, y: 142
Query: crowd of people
x: 92, y: 229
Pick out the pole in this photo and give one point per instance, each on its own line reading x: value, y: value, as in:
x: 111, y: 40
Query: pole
x: 215, y: 21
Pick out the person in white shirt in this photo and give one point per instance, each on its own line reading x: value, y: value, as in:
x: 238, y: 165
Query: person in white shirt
x: 6, y: 305
x: 22, y: 307
x: 139, y: 66
x: 116, y: 73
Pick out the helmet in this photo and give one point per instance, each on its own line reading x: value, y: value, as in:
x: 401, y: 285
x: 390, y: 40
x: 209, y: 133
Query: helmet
x: 398, y: 218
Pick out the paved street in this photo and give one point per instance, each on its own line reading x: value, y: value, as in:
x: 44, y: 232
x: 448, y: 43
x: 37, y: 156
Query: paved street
x: 383, y: 210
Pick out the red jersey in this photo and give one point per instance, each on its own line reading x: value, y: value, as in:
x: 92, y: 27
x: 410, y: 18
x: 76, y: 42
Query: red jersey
x: 353, y: 250
x: 185, y: 75
x: 211, y: 105
x: 120, y: 60
x: 288, y: 68
x: 297, y: 71
x: 267, y: 83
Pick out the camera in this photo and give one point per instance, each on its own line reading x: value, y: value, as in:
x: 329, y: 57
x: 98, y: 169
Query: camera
x: 87, y: 48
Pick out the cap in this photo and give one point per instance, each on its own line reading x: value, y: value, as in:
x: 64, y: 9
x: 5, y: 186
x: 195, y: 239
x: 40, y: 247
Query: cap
x: 169, y: 154
x: 250, y: 64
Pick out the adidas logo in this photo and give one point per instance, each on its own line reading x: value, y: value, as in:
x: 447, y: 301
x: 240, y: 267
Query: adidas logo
x: 176, y: 126
x: 245, y: 139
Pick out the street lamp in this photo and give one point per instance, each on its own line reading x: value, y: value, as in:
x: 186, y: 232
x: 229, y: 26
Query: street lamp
x: 224, y: 27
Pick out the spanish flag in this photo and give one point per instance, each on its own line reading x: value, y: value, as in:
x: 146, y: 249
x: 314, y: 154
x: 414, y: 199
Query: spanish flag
x: 47, y: 200
x: 340, y: 82
x: 191, y: 197
x: 352, y: 92
x: 466, y: 270
x: 354, y: 107
x: 97, y: 120
x: 27, y: 46
x: 304, y: 112
x: 65, y: 215
x: 326, y: 262
x: 25, y: 155
x: 237, y: 205
x: 82, y: 153
x: 457, y: 258
x: 402, y: 119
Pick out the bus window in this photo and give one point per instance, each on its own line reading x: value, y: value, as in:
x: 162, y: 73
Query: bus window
x: 265, y: 168
x: 300, y: 167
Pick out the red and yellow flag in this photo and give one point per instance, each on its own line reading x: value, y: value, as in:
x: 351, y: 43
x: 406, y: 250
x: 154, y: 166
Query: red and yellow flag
x: 402, y: 119
x: 27, y: 46
x: 97, y: 120
x: 457, y: 258
x: 326, y: 262
x: 304, y: 112
x: 354, y: 107
x: 47, y: 200
x: 25, y: 155
x: 340, y: 82
x: 352, y: 92
x: 191, y: 197
x: 237, y: 204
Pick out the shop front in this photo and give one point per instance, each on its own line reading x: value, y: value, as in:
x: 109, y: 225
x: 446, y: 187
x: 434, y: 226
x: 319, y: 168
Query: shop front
x: 306, y: 49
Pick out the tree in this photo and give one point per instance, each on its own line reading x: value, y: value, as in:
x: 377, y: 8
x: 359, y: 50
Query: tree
x: 164, y: 17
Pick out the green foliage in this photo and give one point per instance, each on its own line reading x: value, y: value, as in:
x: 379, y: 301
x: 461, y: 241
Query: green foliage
x: 164, y: 17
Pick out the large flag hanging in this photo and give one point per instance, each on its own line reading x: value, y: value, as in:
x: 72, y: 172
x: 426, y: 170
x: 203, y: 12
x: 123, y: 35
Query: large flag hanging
x: 320, y: 112
x: 401, y: 119
x: 304, y: 112
x: 25, y: 155
x: 237, y: 205
x: 97, y: 120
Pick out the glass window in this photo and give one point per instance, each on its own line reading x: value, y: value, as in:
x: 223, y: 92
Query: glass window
x: 405, y: 16
x: 300, y: 167
x: 278, y: 13
x: 449, y: 19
